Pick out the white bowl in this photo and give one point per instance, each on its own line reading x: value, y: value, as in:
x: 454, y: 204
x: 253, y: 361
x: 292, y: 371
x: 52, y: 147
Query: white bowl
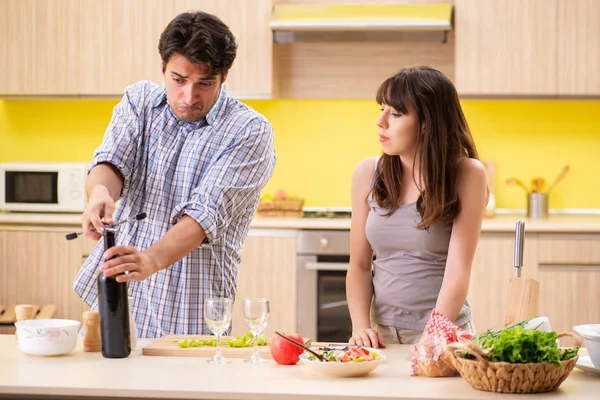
x: 591, y: 334
x: 589, y: 331
x: 342, y: 370
x: 47, y: 337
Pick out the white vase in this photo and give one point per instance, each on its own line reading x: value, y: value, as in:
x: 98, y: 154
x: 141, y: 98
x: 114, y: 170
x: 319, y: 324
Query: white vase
x: 133, y: 333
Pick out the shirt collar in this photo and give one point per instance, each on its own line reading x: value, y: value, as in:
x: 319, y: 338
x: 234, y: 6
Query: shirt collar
x: 213, y: 113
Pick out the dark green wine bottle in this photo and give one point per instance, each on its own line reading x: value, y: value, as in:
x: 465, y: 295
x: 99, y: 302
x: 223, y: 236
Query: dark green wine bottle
x: 113, y: 309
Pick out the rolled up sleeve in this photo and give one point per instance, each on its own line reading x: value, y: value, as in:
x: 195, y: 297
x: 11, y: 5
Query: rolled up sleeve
x: 122, y: 137
x: 231, y: 188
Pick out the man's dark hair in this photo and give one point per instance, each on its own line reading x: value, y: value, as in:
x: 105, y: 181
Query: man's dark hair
x: 201, y: 38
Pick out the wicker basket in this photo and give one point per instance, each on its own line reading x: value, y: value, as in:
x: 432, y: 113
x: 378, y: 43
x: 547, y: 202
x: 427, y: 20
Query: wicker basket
x: 280, y: 208
x: 507, y: 377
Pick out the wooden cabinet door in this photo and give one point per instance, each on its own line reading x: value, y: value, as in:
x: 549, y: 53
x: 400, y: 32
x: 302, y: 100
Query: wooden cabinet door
x: 506, y: 47
x: 39, y: 47
x: 119, y: 45
x: 569, y: 280
x: 492, y: 269
x: 578, y: 47
x: 251, y: 76
x: 268, y: 270
x: 38, y: 267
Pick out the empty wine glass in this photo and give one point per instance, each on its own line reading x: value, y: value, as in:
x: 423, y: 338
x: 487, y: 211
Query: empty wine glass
x: 256, y: 314
x: 217, y: 314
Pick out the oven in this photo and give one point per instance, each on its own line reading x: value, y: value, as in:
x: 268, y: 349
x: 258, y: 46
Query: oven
x: 323, y: 257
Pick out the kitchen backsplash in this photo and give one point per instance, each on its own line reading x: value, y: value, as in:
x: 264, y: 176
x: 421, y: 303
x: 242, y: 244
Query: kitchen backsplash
x: 319, y: 142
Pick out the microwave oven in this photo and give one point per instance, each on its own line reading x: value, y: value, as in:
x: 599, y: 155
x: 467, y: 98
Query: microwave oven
x: 42, y: 187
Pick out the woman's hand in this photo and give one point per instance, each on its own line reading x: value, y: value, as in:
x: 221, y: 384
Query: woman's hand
x: 367, y: 337
x: 119, y: 259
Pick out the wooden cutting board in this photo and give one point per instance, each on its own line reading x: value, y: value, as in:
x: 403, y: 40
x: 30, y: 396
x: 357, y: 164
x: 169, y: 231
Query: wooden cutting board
x: 166, y: 347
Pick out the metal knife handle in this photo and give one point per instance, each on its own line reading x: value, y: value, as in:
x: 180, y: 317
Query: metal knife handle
x: 519, y: 244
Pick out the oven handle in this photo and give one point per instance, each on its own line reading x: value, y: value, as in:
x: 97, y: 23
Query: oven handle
x: 325, y: 266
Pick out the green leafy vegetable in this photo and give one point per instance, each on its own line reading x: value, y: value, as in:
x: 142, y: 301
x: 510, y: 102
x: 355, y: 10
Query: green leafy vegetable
x: 246, y: 340
x: 518, y: 345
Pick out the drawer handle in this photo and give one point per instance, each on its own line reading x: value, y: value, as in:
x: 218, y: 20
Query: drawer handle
x: 322, y: 266
x: 569, y: 267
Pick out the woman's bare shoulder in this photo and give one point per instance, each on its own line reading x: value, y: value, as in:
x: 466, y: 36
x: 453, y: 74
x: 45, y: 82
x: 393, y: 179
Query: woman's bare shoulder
x: 366, y: 167
x: 470, y: 167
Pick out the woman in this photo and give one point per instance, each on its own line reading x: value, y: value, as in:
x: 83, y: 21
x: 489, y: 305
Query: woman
x: 418, y: 208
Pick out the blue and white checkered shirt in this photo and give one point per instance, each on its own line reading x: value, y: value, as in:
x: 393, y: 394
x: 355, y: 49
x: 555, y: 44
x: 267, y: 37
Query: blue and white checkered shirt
x: 212, y: 170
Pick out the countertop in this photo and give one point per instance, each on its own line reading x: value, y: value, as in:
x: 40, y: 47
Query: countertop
x: 556, y: 223
x: 89, y: 374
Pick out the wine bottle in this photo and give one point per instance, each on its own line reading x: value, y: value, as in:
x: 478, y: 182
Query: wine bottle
x: 114, y: 310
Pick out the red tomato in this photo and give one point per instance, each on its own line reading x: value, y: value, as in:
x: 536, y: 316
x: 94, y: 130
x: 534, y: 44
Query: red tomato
x: 285, y: 353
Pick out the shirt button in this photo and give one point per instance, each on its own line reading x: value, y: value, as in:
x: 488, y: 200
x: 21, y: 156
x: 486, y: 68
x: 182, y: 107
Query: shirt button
x: 155, y: 184
x: 165, y: 149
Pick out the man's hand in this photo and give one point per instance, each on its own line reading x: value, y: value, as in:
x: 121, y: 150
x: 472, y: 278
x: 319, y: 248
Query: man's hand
x: 100, y: 206
x: 125, y: 258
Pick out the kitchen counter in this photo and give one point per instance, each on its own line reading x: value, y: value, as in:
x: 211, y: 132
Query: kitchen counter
x: 90, y: 375
x: 556, y: 223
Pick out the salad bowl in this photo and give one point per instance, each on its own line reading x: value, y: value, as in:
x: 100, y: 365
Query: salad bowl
x: 343, y: 362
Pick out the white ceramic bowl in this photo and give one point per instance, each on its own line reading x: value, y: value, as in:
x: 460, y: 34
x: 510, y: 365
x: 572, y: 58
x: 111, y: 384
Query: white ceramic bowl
x: 47, y: 337
x: 591, y: 334
x: 340, y: 369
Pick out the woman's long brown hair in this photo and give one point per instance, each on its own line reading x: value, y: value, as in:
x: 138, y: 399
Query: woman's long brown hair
x: 443, y: 139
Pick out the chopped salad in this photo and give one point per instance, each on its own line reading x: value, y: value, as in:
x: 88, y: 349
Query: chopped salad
x: 346, y: 354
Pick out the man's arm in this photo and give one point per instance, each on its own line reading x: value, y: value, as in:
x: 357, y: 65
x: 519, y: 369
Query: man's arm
x: 103, y: 187
x: 106, y: 178
x: 179, y: 241
x: 114, y: 161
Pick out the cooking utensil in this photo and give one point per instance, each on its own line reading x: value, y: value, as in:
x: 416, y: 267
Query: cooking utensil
x: 560, y: 176
x: 319, y: 357
x: 138, y: 217
x: 538, y: 184
x: 519, y: 244
x: 523, y: 293
x: 515, y: 181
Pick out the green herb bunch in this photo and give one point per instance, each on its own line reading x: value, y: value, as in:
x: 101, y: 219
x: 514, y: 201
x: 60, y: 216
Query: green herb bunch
x: 519, y: 345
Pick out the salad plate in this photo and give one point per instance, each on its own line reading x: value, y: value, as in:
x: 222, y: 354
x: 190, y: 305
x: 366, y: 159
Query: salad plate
x: 344, y: 362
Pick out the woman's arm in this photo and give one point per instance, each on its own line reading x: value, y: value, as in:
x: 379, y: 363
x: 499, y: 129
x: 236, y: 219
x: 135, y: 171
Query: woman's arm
x: 472, y: 191
x: 359, y: 283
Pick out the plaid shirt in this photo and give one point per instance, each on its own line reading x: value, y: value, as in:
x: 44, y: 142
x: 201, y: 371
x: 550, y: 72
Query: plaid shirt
x: 212, y: 170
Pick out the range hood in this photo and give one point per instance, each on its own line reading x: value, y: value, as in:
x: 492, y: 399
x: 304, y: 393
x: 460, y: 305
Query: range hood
x: 290, y: 20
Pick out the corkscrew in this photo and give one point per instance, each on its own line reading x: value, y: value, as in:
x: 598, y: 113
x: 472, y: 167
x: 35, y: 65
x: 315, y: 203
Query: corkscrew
x: 138, y: 217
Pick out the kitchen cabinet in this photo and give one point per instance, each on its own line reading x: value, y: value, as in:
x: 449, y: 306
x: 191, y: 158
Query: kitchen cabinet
x: 506, y: 47
x: 92, y: 48
x: 578, y: 59
x: 268, y: 270
x: 39, y: 51
x: 569, y: 275
x: 38, y: 267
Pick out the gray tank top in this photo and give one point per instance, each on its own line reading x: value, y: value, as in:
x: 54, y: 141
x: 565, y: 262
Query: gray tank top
x: 409, y: 266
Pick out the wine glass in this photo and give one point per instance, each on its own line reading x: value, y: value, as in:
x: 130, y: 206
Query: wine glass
x: 256, y: 314
x: 217, y: 314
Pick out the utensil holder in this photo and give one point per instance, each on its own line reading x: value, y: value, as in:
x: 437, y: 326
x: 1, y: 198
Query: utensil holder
x: 537, y: 205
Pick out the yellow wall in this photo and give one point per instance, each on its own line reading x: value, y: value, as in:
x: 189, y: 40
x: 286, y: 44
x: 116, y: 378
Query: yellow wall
x: 319, y: 141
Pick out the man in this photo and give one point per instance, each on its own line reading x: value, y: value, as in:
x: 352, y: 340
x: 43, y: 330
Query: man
x: 192, y: 158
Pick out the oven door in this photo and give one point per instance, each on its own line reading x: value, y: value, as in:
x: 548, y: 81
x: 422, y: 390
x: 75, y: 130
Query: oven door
x: 323, y: 313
